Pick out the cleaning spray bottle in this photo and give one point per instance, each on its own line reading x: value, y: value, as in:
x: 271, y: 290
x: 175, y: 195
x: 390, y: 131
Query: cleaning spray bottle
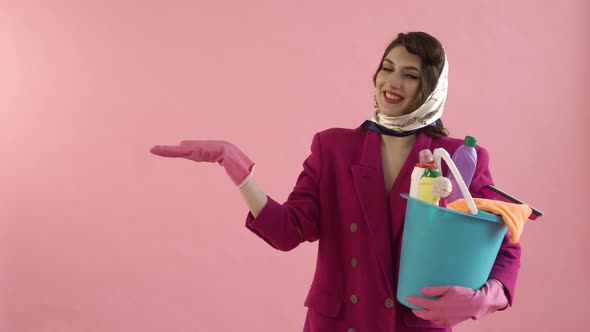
x: 465, y: 158
x: 425, y: 160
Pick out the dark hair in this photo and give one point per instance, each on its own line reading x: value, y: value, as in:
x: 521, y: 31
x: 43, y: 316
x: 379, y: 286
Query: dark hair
x: 432, y: 56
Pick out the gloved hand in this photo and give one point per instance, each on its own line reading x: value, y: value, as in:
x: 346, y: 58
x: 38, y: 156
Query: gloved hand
x: 457, y: 304
x: 237, y: 165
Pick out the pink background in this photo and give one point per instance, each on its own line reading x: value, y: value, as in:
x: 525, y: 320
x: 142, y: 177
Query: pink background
x: 96, y: 234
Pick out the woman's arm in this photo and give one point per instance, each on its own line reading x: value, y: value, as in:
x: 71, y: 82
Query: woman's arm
x: 505, y: 268
x: 254, y: 197
x: 283, y: 226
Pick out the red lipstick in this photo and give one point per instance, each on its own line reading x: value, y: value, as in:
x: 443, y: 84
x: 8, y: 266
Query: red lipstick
x: 392, y: 101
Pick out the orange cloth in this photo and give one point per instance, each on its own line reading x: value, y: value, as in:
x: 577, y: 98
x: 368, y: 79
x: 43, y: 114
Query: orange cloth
x: 514, y: 215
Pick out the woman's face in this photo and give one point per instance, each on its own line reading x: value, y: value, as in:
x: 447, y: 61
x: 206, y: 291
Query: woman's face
x: 397, y: 85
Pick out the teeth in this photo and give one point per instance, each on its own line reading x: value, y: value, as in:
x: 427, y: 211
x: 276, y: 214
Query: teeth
x: 390, y: 96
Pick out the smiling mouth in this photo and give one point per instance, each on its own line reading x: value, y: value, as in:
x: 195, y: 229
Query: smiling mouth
x: 392, y: 98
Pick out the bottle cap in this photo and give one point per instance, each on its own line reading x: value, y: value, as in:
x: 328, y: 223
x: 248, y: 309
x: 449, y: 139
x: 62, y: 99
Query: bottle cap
x: 470, y: 141
x: 425, y: 156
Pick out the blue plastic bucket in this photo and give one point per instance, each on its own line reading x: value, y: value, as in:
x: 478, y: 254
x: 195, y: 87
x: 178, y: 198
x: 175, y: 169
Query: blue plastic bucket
x: 442, y: 247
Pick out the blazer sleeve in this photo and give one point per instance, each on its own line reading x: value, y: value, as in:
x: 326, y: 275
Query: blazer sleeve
x: 285, y: 226
x: 507, y: 262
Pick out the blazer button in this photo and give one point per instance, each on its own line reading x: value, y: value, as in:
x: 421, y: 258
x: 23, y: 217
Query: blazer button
x: 354, y: 262
x: 351, y: 330
x: 354, y: 299
x: 388, y: 303
x: 353, y: 227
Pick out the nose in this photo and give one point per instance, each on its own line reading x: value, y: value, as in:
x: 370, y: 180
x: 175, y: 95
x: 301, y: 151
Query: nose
x: 396, y: 81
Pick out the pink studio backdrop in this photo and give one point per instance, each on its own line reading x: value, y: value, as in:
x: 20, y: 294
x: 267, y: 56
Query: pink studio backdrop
x: 96, y: 234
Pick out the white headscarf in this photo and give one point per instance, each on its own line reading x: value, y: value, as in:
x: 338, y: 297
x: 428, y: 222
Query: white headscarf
x: 429, y: 112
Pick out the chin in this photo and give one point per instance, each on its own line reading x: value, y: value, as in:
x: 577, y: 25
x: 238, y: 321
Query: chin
x: 393, y: 112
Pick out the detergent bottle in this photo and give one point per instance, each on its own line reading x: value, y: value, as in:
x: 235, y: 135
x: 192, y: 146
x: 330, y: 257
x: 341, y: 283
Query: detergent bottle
x: 465, y: 158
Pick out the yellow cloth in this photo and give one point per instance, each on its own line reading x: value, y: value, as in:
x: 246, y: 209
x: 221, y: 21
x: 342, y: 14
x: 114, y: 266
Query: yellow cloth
x: 514, y: 215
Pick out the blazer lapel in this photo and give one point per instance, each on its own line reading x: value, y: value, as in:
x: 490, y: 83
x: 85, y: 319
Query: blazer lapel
x: 370, y: 187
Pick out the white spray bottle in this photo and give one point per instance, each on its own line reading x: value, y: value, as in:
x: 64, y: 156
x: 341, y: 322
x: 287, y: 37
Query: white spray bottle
x: 426, y: 160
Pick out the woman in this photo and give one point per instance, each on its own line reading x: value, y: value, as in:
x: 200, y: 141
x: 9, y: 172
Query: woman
x: 348, y: 198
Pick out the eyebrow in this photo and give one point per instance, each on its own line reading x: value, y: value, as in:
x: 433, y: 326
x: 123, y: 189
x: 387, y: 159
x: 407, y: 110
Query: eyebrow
x: 409, y: 67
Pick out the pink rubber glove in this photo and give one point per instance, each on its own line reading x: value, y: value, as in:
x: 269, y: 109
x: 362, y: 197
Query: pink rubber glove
x: 237, y: 165
x: 457, y: 304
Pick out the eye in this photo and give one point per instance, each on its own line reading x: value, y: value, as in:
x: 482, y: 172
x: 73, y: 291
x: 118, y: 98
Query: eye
x: 387, y: 69
x: 413, y: 77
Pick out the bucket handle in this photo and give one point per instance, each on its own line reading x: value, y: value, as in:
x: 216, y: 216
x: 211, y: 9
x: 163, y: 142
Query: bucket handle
x: 440, y: 152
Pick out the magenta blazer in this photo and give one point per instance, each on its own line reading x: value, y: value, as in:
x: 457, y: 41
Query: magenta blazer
x: 340, y: 200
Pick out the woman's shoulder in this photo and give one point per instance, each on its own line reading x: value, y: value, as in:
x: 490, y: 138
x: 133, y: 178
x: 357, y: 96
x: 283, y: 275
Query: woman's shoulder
x: 341, y: 138
x: 450, y: 143
x: 445, y: 141
x: 341, y: 133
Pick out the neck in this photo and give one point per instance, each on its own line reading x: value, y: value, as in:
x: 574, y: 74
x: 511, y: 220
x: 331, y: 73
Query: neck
x: 404, y: 141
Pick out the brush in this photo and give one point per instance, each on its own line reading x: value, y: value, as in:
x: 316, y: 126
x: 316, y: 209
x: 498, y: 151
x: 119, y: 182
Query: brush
x: 442, y: 187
